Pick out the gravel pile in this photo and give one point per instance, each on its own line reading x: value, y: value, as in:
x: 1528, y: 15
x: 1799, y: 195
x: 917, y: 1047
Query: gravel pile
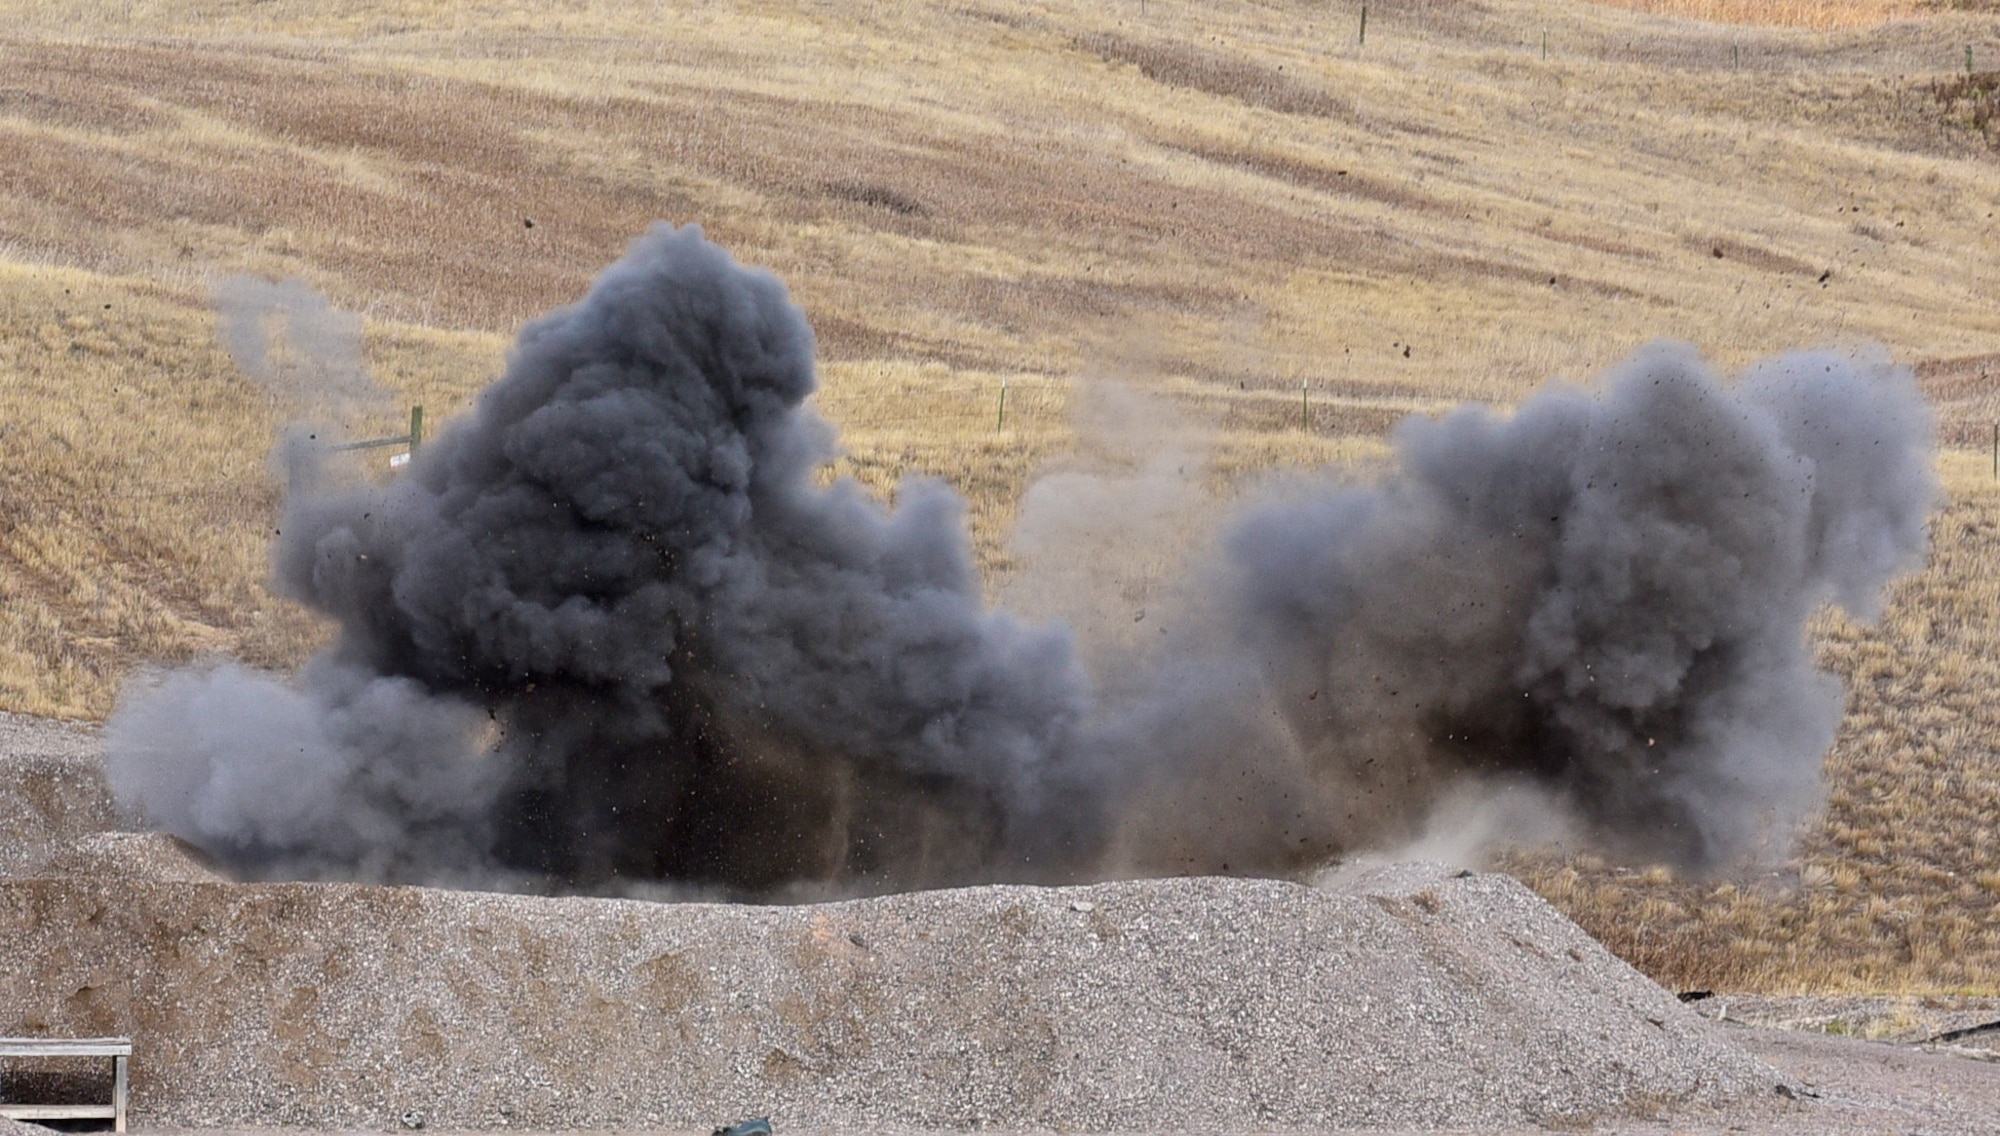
x: 1407, y: 996
x: 52, y: 790
x: 138, y: 855
x: 57, y: 816
x: 1400, y: 996
x: 24, y: 735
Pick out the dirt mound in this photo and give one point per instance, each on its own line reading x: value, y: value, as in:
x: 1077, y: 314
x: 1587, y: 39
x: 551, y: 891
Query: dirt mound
x: 1407, y: 996
x: 137, y: 855
x: 25, y: 735
x: 52, y: 790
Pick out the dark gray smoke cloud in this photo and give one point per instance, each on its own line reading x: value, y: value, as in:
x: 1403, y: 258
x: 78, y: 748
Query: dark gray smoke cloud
x: 608, y: 629
x: 1603, y: 596
x: 696, y: 663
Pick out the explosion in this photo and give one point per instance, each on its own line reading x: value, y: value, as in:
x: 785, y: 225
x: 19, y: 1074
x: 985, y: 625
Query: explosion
x: 608, y: 630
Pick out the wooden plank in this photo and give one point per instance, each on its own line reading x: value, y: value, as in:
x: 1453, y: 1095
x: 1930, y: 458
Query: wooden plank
x: 118, y: 1093
x: 59, y: 1112
x: 372, y: 443
x: 119, y: 1049
x: 65, y: 1046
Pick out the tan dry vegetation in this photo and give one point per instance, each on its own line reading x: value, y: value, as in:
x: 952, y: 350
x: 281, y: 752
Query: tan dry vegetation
x: 137, y: 499
x: 1212, y: 201
x: 1819, y: 15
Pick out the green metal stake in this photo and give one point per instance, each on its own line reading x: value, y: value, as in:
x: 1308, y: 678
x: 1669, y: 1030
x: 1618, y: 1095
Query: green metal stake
x: 1001, y: 423
x: 1968, y: 59
x: 1545, y: 43
x: 1305, y: 410
x: 1363, y: 42
x: 1736, y: 55
x: 416, y: 428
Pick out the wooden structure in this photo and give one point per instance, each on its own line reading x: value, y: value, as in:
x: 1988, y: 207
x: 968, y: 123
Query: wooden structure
x: 119, y: 1049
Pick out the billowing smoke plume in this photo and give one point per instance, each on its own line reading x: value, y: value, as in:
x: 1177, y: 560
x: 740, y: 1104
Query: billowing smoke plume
x: 1603, y: 596
x: 608, y: 628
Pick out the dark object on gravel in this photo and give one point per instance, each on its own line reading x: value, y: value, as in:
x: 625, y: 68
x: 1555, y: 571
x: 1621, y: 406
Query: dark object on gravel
x: 759, y: 1126
x: 1949, y: 1036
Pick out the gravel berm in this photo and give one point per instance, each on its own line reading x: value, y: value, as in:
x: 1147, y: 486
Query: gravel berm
x: 52, y: 789
x: 1406, y: 996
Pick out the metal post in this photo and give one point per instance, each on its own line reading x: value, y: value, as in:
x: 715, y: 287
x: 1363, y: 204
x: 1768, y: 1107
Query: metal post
x: 1545, y: 43
x: 1305, y: 411
x: 1968, y: 59
x: 416, y: 428
x: 1001, y: 422
x: 1996, y: 451
x: 1363, y: 41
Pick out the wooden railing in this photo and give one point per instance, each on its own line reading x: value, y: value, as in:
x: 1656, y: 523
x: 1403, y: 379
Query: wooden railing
x: 119, y: 1049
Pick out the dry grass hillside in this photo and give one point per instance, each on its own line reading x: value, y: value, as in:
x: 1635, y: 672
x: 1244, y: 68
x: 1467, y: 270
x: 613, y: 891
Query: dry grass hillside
x: 1214, y: 200
x: 1822, y: 15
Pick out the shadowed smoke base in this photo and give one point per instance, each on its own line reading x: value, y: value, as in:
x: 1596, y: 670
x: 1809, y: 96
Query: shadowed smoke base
x: 608, y: 630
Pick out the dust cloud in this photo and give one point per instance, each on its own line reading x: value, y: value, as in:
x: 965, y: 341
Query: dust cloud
x: 609, y: 631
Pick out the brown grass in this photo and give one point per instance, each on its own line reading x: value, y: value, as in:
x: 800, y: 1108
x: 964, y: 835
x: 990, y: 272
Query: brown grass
x: 1973, y: 100
x: 137, y: 502
x: 1213, y: 202
x: 1818, y: 15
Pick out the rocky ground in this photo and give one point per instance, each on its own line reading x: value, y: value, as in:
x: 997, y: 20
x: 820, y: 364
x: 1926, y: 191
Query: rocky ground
x: 1399, y: 998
